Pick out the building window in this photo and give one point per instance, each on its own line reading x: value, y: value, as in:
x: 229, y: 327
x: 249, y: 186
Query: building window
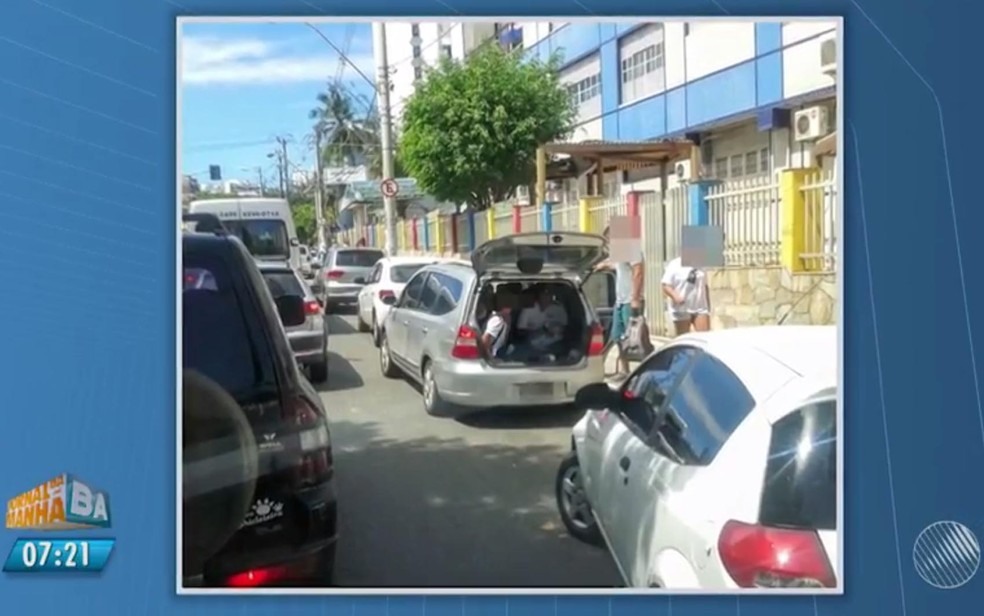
x: 446, y: 51
x: 584, y: 90
x: 764, y: 166
x: 737, y: 169
x: 642, y: 63
x: 415, y: 30
x: 721, y: 169
x: 751, y: 163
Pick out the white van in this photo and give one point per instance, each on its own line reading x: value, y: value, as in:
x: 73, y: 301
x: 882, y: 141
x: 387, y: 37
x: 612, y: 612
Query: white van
x: 266, y: 226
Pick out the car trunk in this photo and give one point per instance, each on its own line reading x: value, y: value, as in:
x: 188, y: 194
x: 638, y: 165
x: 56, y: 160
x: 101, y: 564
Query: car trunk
x: 572, y: 347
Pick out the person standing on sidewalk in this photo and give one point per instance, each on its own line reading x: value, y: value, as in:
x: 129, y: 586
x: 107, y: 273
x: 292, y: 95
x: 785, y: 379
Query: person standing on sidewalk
x: 688, y: 300
x: 630, y: 279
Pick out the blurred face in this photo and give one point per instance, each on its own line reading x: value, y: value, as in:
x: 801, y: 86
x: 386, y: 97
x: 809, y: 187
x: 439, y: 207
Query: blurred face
x: 543, y: 299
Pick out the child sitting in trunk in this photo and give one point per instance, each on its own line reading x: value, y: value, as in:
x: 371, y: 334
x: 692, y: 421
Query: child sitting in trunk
x: 544, y: 323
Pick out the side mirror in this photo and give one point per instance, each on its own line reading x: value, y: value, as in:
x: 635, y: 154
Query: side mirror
x: 359, y: 280
x: 597, y: 396
x: 295, y: 242
x: 291, y: 310
x: 389, y: 300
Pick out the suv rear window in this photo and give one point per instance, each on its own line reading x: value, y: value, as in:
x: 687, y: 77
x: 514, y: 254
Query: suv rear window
x: 801, y: 471
x: 357, y: 258
x: 283, y: 283
x: 216, y: 339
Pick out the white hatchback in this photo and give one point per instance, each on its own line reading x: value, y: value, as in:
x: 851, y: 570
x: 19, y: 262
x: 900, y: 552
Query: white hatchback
x: 387, y: 279
x: 714, y: 466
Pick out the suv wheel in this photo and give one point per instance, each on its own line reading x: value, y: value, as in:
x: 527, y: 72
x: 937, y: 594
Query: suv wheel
x: 434, y: 404
x: 386, y: 360
x: 575, y: 511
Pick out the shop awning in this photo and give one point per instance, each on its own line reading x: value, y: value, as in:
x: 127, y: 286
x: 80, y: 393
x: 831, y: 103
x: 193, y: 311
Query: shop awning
x: 612, y: 156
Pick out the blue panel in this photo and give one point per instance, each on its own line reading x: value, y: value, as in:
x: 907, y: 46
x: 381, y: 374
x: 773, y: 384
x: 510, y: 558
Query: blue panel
x: 676, y: 110
x: 643, y: 120
x: 768, y: 37
x: 768, y: 78
x: 721, y: 94
x: 575, y: 40
x: 607, y: 32
x: 609, y: 127
x: 610, y: 82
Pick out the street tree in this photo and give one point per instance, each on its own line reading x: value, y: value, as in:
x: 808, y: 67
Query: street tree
x: 471, y: 129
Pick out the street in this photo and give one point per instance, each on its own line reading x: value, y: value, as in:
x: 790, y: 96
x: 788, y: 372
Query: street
x: 441, y: 502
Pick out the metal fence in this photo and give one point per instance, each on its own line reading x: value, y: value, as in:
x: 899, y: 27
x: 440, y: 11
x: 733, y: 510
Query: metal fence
x: 600, y: 213
x: 503, y: 221
x: 820, y: 245
x: 748, y: 211
x: 663, y: 218
x: 529, y: 217
x: 564, y: 217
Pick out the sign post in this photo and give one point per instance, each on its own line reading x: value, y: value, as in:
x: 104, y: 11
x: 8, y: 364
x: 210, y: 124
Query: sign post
x: 389, y: 188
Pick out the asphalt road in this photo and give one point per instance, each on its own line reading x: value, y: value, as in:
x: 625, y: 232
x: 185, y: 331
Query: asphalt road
x: 444, y: 502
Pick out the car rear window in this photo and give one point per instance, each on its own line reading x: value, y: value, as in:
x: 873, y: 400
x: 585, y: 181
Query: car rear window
x: 801, y: 470
x: 283, y: 283
x: 403, y: 273
x: 216, y: 339
x: 357, y: 258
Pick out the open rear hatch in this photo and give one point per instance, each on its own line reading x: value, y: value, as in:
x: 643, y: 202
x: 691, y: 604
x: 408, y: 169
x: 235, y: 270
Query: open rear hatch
x: 562, y: 253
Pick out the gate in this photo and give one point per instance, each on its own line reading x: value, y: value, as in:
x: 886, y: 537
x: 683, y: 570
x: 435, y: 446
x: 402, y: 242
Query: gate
x: 663, y: 217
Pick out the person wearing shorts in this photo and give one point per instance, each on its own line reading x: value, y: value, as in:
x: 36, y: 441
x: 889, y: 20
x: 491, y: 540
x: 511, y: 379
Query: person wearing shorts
x: 688, y: 302
x: 629, y: 280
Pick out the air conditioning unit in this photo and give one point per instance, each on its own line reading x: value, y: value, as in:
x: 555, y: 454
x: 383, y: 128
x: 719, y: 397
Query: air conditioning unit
x: 683, y: 171
x: 523, y: 195
x: 811, y: 123
x: 828, y: 55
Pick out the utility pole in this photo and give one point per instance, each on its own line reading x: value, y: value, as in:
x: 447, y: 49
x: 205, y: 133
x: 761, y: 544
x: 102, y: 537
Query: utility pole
x: 286, y: 166
x: 319, y: 192
x: 386, y: 129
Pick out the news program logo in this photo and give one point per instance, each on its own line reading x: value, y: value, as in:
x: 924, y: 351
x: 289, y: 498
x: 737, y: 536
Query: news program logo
x: 61, y: 503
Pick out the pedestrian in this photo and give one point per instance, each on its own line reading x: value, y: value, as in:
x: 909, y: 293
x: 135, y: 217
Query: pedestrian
x: 629, y: 293
x: 688, y: 300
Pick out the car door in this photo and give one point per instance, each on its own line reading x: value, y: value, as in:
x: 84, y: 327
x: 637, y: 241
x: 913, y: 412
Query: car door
x: 631, y: 470
x: 367, y: 293
x: 420, y: 321
x: 705, y: 406
x: 599, y: 289
x: 398, y: 321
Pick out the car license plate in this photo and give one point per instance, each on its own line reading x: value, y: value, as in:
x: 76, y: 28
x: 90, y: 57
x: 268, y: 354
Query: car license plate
x: 536, y: 390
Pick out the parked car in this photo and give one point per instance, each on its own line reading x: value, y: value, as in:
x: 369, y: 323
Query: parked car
x: 306, y: 270
x: 308, y: 340
x: 387, y: 279
x: 714, y: 466
x: 344, y: 273
x: 233, y: 333
x: 432, y: 332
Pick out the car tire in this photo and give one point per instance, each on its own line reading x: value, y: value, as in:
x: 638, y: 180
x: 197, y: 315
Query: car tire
x: 386, y: 365
x: 434, y: 404
x: 319, y: 372
x: 575, y: 511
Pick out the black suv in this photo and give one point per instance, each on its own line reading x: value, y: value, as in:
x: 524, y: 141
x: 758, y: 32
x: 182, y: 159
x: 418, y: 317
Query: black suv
x: 233, y: 333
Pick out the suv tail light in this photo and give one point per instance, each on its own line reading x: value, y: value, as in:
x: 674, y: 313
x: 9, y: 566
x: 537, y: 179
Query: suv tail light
x: 312, y: 307
x: 597, y: 345
x: 466, y: 344
x: 316, y: 463
x: 300, y: 413
x: 334, y: 274
x: 765, y: 557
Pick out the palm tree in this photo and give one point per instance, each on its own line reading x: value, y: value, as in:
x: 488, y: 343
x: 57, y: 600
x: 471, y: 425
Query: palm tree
x: 346, y: 139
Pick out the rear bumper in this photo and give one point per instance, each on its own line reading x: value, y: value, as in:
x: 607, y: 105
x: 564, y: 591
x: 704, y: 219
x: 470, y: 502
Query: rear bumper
x: 473, y: 384
x: 341, y: 293
x: 308, y: 347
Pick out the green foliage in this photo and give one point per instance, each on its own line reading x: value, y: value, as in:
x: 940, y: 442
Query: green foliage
x: 471, y: 129
x: 305, y: 221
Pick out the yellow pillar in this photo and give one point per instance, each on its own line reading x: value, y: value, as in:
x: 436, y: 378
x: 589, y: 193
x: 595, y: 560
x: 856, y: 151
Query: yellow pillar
x: 541, y: 176
x: 403, y: 234
x: 584, y: 213
x: 792, y: 219
x: 438, y: 233
x: 490, y: 222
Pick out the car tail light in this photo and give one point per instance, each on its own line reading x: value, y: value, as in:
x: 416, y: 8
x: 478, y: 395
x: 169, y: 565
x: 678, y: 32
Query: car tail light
x: 334, y: 274
x: 597, y: 345
x: 257, y: 577
x: 466, y: 344
x: 385, y: 293
x: 301, y: 413
x: 764, y: 557
x: 312, y: 307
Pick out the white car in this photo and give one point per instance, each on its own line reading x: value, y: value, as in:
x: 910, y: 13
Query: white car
x: 714, y: 466
x: 387, y: 279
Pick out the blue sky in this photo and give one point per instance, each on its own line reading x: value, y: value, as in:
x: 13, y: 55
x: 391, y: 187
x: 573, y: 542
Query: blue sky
x: 245, y: 83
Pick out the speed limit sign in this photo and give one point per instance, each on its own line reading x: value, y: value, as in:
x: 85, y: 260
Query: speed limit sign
x: 389, y: 187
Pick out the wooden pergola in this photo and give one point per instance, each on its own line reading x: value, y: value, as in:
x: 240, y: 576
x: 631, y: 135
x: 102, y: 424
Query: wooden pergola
x: 598, y: 157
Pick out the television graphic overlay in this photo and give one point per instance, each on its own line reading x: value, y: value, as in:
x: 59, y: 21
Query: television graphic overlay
x: 59, y: 504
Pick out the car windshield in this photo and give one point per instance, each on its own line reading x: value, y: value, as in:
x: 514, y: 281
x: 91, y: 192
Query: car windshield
x: 263, y: 238
x: 402, y: 273
x: 283, y: 283
x: 357, y: 258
